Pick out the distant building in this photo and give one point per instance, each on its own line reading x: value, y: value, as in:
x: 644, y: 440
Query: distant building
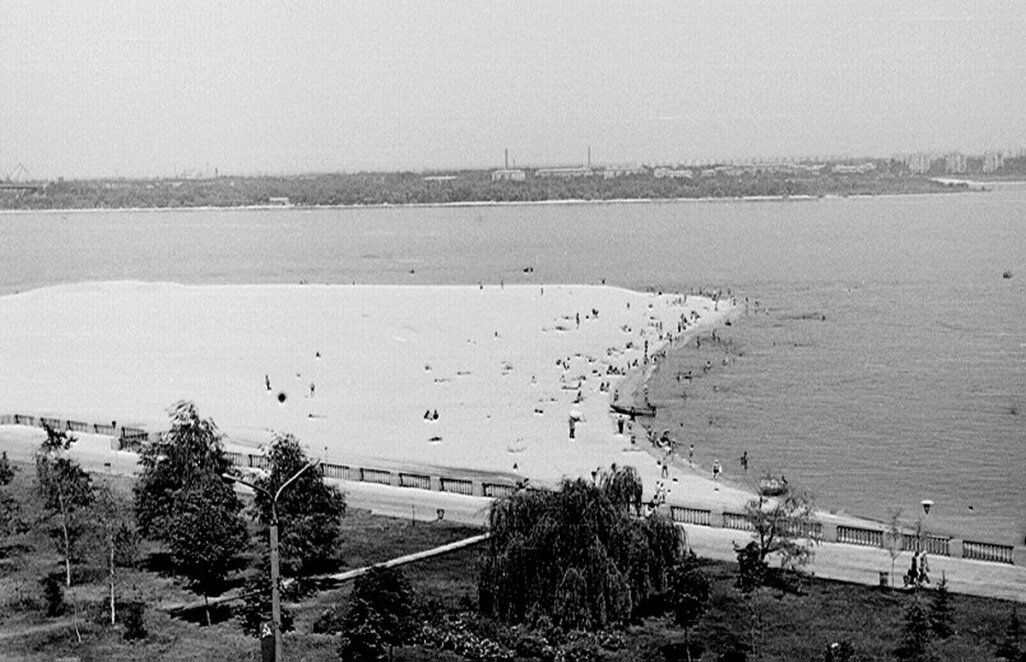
x: 955, y: 163
x: 993, y: 161
x: 508, y: 175
x: 612, y: 172
x: 564, y: 173
x: 670, y: 173
x: 279, y: 202
x: 853, y: 169
x: 440, y: 178
x: 919, y: 163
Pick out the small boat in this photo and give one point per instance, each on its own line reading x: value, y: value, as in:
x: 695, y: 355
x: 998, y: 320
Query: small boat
x: 633, y: 410
x: 772, y: 486
x: 1007, y: 274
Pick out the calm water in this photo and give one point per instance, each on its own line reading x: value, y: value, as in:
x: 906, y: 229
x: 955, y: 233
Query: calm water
x: 912, y: 387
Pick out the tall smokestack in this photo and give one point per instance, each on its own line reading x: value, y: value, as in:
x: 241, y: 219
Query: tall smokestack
x: 507, y: 158
x: 589, y: 156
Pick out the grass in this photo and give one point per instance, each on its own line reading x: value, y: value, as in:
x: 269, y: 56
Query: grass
x: 780, y: 626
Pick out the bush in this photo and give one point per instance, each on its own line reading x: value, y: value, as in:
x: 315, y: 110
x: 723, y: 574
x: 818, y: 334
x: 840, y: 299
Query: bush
x: 133, y: 617
x: 53, y: 594
x: 330, y: 621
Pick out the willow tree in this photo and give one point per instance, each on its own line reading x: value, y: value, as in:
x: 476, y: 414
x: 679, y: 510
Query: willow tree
x: 578, y: 555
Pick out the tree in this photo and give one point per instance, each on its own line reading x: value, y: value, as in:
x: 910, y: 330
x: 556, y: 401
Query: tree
x: 941, y: 617
x: 578, y: 554
x: 784, y: 526
x: 190, y: 451
x: 309, y: 510
x: 118, y: 538
x: 916, y: 637
x: 182, y: 500
x: 10, y: 509
x: 894, y: 540
x: 7, y: 470
x: 751, y: 569
x: 206, y: 534
x: 380, y: 615
x: 689, y: 596
x: 67, y: 491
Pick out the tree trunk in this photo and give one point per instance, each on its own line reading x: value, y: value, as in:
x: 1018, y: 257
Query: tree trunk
x: 112, y: 617
x: 67, y: 539
x: 206, y: 607
x: 687, y: 643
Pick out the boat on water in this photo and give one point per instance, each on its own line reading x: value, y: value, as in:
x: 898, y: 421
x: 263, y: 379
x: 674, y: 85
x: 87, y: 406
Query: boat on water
x: 633, y: 410
x: 769, y: 486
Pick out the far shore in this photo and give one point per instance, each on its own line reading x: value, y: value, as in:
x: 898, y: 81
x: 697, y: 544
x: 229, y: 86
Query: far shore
x: 488, y: 203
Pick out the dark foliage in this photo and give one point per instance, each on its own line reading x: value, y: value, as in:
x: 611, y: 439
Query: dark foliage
x: 751, y: 570
x: 917, y: 637
x: 133, y: 617
x: 1010, y: 648
x: 53, y: 595
x: 578, y: 555
x: 205, y: 534
x: 380, y: 615
x: 309, y: 510
x: 256, y: 606
x: 190, y: 452
x: 941, y: 616
x: 7, y: 470
x: 182, y: 500
x: 688, y: 597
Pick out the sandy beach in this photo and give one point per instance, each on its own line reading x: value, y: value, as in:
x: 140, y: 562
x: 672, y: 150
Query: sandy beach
x: 357, y: 373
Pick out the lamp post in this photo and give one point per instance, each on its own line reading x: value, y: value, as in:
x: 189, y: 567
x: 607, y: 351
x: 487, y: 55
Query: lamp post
x: 275, y: 594
x: 926, y: 504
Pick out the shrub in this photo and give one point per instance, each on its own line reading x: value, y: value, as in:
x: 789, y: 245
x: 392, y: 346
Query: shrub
x: 133, y: 617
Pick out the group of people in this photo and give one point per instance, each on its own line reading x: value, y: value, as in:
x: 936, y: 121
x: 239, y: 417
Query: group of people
x: 917, y: 572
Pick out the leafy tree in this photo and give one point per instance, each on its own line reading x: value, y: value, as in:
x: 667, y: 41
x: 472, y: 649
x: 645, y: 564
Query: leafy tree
x: 941, y: 617
x: 894, y: 540
x: 380, y: 616
x: 117, y: 538
x: 917, y: 636
x: 190, y: 451
x: 182, y: 500
x: 689, y: 596
x: 1010, y: 648
x: 784, y: 526
x: 67, y: 492
x: 751, y: 568
x: 7, y: 470
x: 206, y: 534
x: 577, y: 554
x: 309, y: 510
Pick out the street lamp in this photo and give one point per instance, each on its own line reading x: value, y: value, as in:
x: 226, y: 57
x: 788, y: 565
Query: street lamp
x: 926, y: 504
x: 275, y: 595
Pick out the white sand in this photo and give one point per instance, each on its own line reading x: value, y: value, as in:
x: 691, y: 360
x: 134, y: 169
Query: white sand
x: 484, y: 358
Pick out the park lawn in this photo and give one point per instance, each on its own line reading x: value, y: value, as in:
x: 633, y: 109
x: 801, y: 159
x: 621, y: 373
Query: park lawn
x: 775, y: 625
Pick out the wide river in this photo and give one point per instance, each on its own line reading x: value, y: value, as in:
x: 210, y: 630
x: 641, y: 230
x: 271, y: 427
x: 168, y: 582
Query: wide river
x: 886, y: 363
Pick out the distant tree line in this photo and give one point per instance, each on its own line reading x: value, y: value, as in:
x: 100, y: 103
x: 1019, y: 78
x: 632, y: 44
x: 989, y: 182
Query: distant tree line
x: 464, y: 187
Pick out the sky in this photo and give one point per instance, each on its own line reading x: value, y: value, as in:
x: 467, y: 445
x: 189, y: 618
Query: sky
x: 93, y: 88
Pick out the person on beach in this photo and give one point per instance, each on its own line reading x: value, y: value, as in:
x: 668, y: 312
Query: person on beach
x: 267, y: 381
x: 691, y: 454
x: 744, y: 460
x: 716, y: 469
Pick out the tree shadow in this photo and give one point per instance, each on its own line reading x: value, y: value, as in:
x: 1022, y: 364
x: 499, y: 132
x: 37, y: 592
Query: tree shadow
x: 219, y: 613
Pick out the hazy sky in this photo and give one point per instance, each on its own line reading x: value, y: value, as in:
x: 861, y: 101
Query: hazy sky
x: 147, y: 88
